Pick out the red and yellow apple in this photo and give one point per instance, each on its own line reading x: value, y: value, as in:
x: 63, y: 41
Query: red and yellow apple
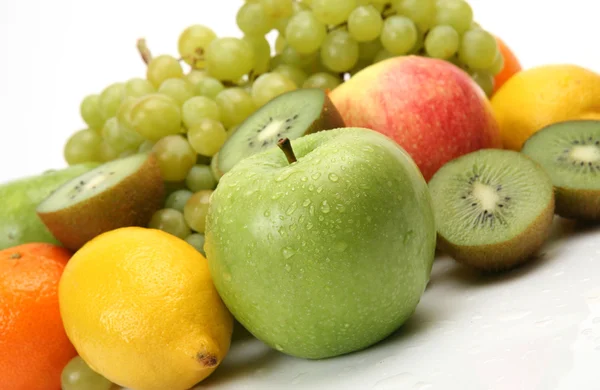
x: 430, y: 107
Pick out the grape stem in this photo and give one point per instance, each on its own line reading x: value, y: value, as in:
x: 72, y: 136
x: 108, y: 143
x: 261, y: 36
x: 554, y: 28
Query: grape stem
x: 144, y: 51
x: 286, y: 146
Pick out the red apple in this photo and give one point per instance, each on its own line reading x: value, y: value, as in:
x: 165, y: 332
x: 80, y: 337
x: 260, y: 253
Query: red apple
x: 430, y: 107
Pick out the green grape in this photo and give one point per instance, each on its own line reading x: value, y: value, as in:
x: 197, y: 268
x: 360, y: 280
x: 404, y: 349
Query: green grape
x: 455, y: 13
x: 270, y: 85
x: 382, y: 55
x: 175, y: 157
x: 77, y: 375
x: 137, y: 87
x: 422, y: 12
x: 368, y: 50
x: 155, y: 116
x: 193, y: 42
x: 161, y: 68
x: 252, y: 19
x: 107, y: 152
x: 322, y: 80
x: 290, y: 56
x: 360, y: 65
x: 170, y: 221
x: 365, y: 23
x: 339, y: 52
x: 124, y: 111
x: 262, y: 53
x: 195, y: 75
x: 110, y: 99
x: 332, y: 12
x: 90, y: 111
x: 442, y: 42
x: 485, y: 81
x: 278, y: 8
x: 145, y: 146
x: 207, y: 137
x: 197, y: 241
x: 195, y: 210
x: 200, y: 177
x: 229, y: 58
x: 399, y: 35
x: 120, y: 137
x: 478, y: 49
x: 305, y: 33
x: 209, y: 87
x: 83, y: 146
x: 235, y: 105
x: 176, y: 199
x: 280, y: 43
x: 198, y: 108
x: 297, y: 75
x: 498, y: 64
x: 179, y: 90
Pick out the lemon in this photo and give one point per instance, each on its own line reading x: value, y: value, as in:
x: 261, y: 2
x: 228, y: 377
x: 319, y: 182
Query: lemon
x: 141, y: 309
x: 540, y: 96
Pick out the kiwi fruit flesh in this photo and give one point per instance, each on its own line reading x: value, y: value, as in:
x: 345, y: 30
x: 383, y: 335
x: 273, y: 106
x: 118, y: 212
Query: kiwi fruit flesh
x: 290, y: 115
x: 19, y: 223
x: 120, y: 193
x: 570, y: 153
x: 493, y: 208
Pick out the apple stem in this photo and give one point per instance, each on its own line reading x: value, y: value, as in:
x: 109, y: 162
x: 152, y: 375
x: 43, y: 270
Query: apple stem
x: 144, y: 51
x: 286, y: 146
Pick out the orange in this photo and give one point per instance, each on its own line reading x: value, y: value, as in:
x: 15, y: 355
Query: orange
x: 34, y: 347
x: 512, y: 65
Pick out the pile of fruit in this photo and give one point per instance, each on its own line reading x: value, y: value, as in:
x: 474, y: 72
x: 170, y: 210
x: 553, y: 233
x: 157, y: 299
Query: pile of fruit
x: 301, y: 190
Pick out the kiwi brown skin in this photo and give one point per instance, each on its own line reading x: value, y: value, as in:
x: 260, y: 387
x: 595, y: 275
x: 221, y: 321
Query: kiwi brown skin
x: 330, y: 118
x: 130, y: 202
x: 505, y: 255
x: 579, y: 204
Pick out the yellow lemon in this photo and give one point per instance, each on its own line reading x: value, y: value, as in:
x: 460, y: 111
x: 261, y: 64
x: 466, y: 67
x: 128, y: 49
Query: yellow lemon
x: 141, y: 309
x: 540, y: 96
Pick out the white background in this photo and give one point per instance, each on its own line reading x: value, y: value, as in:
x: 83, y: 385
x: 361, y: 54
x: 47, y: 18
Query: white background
x: 535, y: 329
x: 53, y: 53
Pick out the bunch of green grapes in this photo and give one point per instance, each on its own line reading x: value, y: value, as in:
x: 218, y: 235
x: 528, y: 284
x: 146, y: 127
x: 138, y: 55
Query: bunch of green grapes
x: 185, y: 107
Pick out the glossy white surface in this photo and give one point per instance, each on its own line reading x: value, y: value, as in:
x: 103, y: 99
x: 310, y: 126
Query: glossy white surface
x: 537, y: 328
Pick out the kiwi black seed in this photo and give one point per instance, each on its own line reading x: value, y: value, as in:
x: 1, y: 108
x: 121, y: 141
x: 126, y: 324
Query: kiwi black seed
x: 493, y: 208
x: 570, y: 153
x: 290, y: 115
x: 120, y: 193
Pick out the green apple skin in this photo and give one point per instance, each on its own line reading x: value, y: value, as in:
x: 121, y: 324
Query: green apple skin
x: 327, y: 255
x: 19, y: 223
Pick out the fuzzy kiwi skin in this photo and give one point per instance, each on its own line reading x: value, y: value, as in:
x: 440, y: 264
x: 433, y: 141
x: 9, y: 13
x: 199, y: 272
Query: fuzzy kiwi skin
x: 579, y: 204
x: 330, y: 118
x: 506, y: 255
x: 131, y: 202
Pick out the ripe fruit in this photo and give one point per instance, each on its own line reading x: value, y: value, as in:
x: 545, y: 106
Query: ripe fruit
x: 289, y: 244
x: 141, y: 309
x: 19, y: 223
x: 33, y: 345
x: 537, y: 97
x: 511, y: 65
x: 493, y: 208
x: 120, y: 193
x: 429, y: 106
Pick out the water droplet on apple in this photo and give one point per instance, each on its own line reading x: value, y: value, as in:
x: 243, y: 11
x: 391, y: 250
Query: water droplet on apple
x: 288, y: 267
x: 287, y: 252
x: 292, y: 208
x: 278, y: 347
x: 277, y: 195
x: 267, y: 213
x: 346, y: 325
x: 311, y: 187
x: 311, y: 210
x: 227, y: 276
x: 340, y: 208
x: 408, y: 236
x: 340, y: 246
x: 333, y: 177
x: 316, y: 175
x: 321, y: 218
x: 306, y: 203
x: 325, y: 207
x: 319, y: 190
x: 304, y: 178
x: 309, y: 226
x: 364, y: 186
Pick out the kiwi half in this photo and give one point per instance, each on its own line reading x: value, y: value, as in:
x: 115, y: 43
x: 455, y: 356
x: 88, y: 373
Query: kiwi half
x: 493, y: 208
x: 290, y: 115
x: 570, y: 153
x: 120, y: 193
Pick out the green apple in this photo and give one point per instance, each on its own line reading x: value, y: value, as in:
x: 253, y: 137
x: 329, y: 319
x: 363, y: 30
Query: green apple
x: 326, y: 251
